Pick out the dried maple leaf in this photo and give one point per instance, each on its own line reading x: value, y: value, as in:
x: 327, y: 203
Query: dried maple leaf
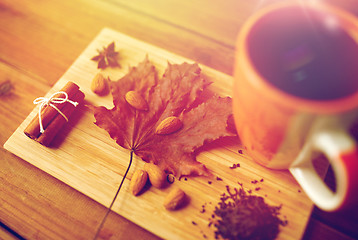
x: 107, y: 57
x: 180, y: 92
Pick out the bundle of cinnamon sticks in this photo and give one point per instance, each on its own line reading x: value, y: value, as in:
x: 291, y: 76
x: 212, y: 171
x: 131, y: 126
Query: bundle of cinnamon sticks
x: 54, y: 115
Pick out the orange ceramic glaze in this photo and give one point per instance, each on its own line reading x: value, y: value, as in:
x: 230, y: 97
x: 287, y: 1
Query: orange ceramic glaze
x: 261, y: 126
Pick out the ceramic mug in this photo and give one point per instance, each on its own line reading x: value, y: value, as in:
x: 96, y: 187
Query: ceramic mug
x: 296, y: 94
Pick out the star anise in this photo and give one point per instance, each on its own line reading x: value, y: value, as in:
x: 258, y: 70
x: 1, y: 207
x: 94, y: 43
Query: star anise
x: 107, y: 57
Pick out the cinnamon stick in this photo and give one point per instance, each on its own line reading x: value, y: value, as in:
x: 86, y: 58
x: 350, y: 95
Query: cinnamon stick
x: 48, y: 113
x: 59, y: 121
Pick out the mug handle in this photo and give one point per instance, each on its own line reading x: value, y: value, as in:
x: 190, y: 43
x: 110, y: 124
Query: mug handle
x: 341, y: 151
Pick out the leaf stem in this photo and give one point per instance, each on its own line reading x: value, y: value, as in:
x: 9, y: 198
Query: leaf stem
x: 115, y: 197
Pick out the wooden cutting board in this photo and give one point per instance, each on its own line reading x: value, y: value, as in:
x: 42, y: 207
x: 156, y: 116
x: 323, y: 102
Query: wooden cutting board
x: 87, y: 159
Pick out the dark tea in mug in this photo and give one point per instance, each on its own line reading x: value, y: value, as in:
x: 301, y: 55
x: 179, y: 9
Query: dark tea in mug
x: 305, y: 53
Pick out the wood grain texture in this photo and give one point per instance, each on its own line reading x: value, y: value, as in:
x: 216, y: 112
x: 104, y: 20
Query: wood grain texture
x: 40, y: 40
x: 85, y: 158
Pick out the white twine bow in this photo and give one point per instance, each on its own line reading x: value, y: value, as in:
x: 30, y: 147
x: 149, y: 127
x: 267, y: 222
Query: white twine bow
x: 50, y: 102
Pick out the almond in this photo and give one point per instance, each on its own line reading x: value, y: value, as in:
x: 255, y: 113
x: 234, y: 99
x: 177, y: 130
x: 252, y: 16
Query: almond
x: 169, y: 125
x: 157, y: 176
x: 136, y: 100
x: 175, y: 199
x: 139, y: 179
x: 99, y: 85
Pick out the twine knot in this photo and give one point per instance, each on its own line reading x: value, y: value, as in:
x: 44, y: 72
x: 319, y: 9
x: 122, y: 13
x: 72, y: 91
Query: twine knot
x: 50, y: 102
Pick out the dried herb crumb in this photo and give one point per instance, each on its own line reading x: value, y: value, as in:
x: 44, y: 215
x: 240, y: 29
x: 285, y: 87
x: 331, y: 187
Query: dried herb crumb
x: 194, y: 223
x: 299, y: 190
x: 257, y: 189
x: 240, y: 151
x: 219, y: 179
x: 210, y: 182
x: 243, y: 216
x: 202, y: 209
x: 235, y: 166
x: 254, y: 181
x: 261, y: 180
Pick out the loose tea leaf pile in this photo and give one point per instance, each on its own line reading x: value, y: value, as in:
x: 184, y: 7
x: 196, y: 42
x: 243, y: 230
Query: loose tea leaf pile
x: 181, y: 93
x: 242, y: 216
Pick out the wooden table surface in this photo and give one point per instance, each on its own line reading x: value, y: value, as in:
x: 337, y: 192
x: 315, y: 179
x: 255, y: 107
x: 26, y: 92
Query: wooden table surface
x: 40, y: 39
